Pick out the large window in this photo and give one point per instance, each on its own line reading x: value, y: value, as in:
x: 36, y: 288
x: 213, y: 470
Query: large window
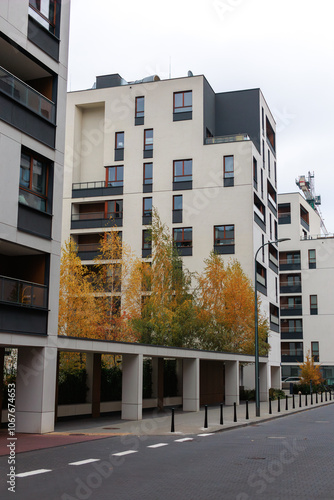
x: 224, y: 239
x: 315, y: 351
x: 183, y: 170
x: 148, y: 173
x: 228, y: 170
x: 313, y: 304
x: 140, y: 103
x: 148, y: 139
x: 147, y: 243
x: 115, y: 176
x: 183, y: 102
x: 147, y: 211
x: 177, y: 208
x: 33, y: 181
x: 119, y: 146
x: 44, y: 11
x: 115, y: 209
x: 183, y: 237
x: 312, y: 261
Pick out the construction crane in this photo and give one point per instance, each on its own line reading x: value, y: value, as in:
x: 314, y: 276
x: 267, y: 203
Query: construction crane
x: 306, y: 184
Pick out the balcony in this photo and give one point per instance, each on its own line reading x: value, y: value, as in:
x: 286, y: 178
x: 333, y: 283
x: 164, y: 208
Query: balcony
x: 226, y: 138
x: 274, y: 323
x: 291, y: 334
x: 289, y: 265
x: 291, y: 310
x: 88, y: 251
x: 295, y: 288
x: 287, y: 357
x: 94, y: 188
x: 23, y: 307
x: 96, y: 220
x: 284, y: 218
x: 27, y: 96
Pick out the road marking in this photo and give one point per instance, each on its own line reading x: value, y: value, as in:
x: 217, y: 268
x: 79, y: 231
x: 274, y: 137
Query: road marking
x: 88, y: 461
x: 207, y: 434
x: 33, y: 472
x: 183, y: 440
x: 157, y: 445
x: 276, y: 437
x: 121, y: 453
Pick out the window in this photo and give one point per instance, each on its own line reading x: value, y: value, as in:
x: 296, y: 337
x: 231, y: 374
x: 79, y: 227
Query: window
x: 147, y: 243
x: 284, y: 213
x: 261, y: 183
x: 263, y: 155
x: 313, y: 304
x: 148, y: 143
x: 34, y: 181
x: 268, y: 162
x: 312, y: 262
x: 147, y: 211
x: 177, y: 208
x: 228, y: 171
x: 292, y: 351
x: 224, y: 239
x: 147, y: 177
x: 182, y: 170
x: 119, y: 146
x: 115, y: 176
x: 183, y: 102
x: 270, y: 135
x: 140, y: 102
x: 261, y: 277
x: 44, y: 11
x: 115, y: 209
x: 289, y: 260
x: 183, y: 238
x: 304, y: 218
x: 315, y: 351
x: 254, y: 173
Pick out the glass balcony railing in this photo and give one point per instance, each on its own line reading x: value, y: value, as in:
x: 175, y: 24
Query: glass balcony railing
x: 88, y: 185
x: 227, y: 138
x: 23, y: 293
x: 27, y: 96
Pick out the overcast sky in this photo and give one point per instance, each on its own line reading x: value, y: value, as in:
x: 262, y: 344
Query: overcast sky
x: 285, y: 47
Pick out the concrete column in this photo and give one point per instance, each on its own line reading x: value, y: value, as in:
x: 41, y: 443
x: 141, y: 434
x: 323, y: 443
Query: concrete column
x: 35, y: 389
x: 179, y: 376
x: 160, y: 383
x: 2, y: 359
x: 276, y: 379
x: 132, y: 386
x: 191, y: 384
x: 231, y: 382
x: 155, y: 362
x: 264, y: 378
x: 93, y: 368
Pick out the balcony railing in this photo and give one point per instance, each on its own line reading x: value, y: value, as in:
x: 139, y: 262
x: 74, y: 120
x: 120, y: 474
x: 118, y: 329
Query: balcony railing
x: 297, y: 329
x: 272, y: 201
x: 273, y: 259
x: 274, y: 319
x: 317, y: 236
x: 260, y: 279
x: 89, y: 185
x: 97, y: 216
x: 227, y: 138
x: 259, y: 213
x: 27, y: 96
x: 23, y: 293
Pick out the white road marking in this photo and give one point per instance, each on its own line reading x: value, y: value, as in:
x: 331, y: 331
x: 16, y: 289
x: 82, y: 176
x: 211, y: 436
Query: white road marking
x: 207, y: 434
x: 88, y: 461
x: 33, y: 472
x: 157, y: 445
x: 183, y: 440
x: 121, y: 453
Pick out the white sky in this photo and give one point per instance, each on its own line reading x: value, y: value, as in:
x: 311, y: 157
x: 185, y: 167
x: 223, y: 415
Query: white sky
x: 285, y: 47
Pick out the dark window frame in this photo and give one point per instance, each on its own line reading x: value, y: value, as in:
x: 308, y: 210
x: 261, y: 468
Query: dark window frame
x: 180, y: 178
x: 108, y: 182
x: 184, y: 243
x: 182, y: 108
x: 46, y: 165
x: 147, y: 145
x: 139, y: 114
x: 145, y: 178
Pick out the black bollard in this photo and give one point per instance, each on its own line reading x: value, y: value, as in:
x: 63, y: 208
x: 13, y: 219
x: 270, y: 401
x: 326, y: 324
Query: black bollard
x: 330, y: 395
x: 172, y: 428
x: 311, y: 398
x: 316, y: 398
x: 321, y: 397
x: 326, y: 396
x: 221, y: 414
x: 247, y: 414
x: 279, y: 405
x: 205, y: 416
x: 300, y: 400
x: 305, y: 399
x: 286, y: 403
x: 235, y: 412
x: 270, y: 412
x: 293, y: 401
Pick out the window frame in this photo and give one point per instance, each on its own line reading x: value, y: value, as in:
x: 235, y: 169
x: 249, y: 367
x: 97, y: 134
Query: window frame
x: 147, y: 212
x: 50, y: 22
x: 145, y: 179
x: 312, y: 261
x: 117, y: 141
x: 183, y: 108
x: 46, y: 166
x: 181, y: 230
x: 315, y: 351
x: 108, y: 182
x: 146, y: 242
x: 114, y: 211
x: 139, y: 114
x: 181, y: 178
x: 313, y: 305
x: 148, y: 146
x: 215, y: 239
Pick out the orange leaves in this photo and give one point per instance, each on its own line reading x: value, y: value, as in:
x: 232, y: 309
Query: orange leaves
x: 310, y: 371
x: 226, y: 308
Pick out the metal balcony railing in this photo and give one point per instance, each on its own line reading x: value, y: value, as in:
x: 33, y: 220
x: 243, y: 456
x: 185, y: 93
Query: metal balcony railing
x: 227, y: 138
x: 89, y: 185
x: 23, y: 293
x: 27, y: 96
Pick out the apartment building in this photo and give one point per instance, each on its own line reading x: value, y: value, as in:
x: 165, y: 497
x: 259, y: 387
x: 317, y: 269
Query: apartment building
x: 306, y: 274
x: 33, y: 74
x: 206, y: 161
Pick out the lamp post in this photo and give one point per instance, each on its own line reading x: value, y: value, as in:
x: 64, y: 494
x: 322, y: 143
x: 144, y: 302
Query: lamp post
x: 257, y: 378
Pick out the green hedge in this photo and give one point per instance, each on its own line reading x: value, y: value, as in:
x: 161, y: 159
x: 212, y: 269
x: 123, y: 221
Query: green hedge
x: 72, y: 387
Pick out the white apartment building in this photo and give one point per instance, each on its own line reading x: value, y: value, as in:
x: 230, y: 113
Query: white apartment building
x: 33, y: 74
x: 306, y: 287
x: 205, y: 160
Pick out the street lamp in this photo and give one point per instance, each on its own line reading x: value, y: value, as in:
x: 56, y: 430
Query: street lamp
x: 257, y: 378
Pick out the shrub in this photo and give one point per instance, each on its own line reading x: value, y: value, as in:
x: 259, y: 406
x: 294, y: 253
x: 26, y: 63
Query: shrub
x: 72, y: 387
x: 276, y: 394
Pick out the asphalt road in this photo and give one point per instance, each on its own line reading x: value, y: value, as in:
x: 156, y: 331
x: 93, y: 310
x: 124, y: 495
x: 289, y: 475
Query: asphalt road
x: 288, y: 458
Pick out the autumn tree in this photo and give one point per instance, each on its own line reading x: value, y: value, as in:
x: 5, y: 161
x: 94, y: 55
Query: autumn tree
x: 167, y: 316
x: 226, y: 308
x: 117, y: 287
x: 78, y: 311
x: 310, y: 371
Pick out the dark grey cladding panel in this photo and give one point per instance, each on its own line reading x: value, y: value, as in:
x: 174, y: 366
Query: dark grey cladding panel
x: 41, y: 37
x: 178, y: 117
x: 239, y: 112
x: 106, y: 81
x: 34, y: 222
x: 18, y: 319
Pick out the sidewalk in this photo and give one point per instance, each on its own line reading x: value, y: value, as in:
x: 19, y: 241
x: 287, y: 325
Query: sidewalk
x: 154, y: 422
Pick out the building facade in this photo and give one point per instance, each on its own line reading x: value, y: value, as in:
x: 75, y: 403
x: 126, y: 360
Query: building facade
x: 306, y: 287
x: 206, y: 161
x: 33, y: 75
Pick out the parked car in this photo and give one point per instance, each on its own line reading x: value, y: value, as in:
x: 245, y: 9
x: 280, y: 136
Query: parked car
x: 290, y: 380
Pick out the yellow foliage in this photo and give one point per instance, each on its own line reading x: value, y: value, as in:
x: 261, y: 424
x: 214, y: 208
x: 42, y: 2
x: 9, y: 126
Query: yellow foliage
x: 310, y: 371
